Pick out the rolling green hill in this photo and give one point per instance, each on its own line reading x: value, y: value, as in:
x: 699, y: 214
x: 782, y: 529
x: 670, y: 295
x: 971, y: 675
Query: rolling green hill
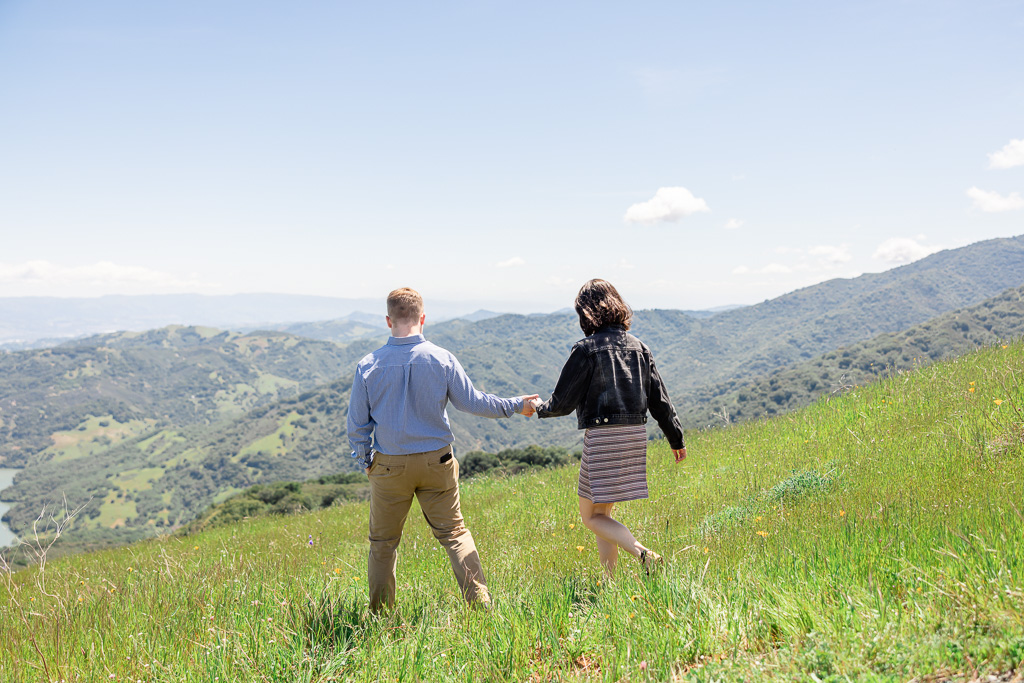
x: 149, y: 429
x: 871, y: 536
x: 517, y: 354
x: 162, y: 478
x: 176, y: 376
x: 995, y: 320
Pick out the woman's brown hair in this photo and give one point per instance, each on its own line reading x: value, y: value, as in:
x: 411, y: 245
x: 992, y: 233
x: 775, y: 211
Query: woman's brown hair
x: 599, y: 304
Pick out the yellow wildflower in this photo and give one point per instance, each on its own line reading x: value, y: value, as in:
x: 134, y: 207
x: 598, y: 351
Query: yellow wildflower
x: 998, y: 401
x: 971, y: 390
x: 842, y: 513
x: 580, y: 548
x: 572, y: 526
x: 762, y: 534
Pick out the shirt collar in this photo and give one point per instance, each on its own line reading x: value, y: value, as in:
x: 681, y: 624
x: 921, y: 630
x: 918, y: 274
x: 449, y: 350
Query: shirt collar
x: 402, y: 341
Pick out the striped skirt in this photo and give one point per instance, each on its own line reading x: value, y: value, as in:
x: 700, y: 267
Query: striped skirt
x: 614, y: 466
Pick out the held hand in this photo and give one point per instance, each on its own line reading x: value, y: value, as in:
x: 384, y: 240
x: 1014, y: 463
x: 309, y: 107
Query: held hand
x: 680, y: 454
x: 530, y: 404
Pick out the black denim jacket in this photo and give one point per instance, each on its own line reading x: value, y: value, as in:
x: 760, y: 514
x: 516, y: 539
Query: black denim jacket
x: 610, y: 379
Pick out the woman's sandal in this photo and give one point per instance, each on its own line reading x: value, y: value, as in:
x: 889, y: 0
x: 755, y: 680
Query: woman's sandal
x: 651, y: 561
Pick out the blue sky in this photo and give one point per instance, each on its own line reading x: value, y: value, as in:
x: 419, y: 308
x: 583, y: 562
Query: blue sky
x: 696, y: 155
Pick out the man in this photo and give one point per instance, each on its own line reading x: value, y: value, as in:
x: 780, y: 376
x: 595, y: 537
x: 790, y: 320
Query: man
x: 398, y: 427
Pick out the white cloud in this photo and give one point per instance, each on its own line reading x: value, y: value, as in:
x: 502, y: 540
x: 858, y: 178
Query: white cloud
x: 899, y: 250
x: 770, y: 269
x: 43, y: 277
x: 559, y: 281
x: 1009, y: 156
x: 733, y: 223
x: 831, y: 254
x: 623, y: 264
x: 668, y: 204
x: 822, y: 258
x: 992, y: 202
x: 513, y: 262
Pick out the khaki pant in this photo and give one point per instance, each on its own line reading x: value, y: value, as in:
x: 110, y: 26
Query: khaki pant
x: 434, y: 479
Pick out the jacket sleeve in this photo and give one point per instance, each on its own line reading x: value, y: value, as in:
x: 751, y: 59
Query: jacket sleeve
x: 571, y: 386
x: 662, y: 409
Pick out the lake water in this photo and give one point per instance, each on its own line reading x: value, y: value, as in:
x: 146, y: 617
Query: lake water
x: 6, y: 479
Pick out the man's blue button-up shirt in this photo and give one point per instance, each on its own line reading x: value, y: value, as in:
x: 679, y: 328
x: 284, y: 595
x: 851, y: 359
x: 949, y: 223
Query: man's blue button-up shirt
x: 400, y: 395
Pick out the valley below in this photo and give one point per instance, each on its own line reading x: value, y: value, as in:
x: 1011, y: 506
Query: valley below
x: 7, y: 536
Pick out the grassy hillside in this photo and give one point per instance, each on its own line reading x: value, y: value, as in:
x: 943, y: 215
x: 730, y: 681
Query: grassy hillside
x: 877, y: 534
x: 288, y: 497
x: 994, y: 321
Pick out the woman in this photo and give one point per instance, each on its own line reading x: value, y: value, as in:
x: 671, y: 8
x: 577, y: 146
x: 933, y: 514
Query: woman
x: 611, y: 382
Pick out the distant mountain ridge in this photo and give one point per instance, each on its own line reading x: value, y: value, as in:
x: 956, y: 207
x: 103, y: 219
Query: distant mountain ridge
x: 510, y: 354
x: 26, y: 320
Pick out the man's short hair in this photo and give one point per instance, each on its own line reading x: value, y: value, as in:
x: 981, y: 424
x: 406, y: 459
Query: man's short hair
x: 405, y: 305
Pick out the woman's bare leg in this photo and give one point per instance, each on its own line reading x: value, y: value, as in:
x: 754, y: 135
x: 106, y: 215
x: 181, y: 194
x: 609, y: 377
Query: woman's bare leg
x: 613, y: 534
x: 608, y: 552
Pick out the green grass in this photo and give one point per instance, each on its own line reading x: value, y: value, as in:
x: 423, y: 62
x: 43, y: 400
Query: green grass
x: 878, y: 535
x: 92, y: 436
x: 272, y: 444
